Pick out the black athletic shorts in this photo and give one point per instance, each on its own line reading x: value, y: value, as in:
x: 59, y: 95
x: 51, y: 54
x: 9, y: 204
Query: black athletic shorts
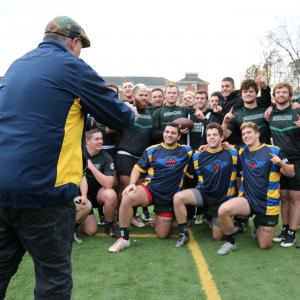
x: 124, y: 164
x: 264, y: 220
x: 261, y: 219
x: 159, y: 209
x: 92, y: 196
x: 291, y: 183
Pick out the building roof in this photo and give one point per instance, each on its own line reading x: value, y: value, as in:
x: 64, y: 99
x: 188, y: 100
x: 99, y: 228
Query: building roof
x: 191, y: 80
x: 149, y: 81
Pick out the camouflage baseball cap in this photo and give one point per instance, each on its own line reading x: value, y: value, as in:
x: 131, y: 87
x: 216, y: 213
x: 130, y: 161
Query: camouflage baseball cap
x: 67, y: 27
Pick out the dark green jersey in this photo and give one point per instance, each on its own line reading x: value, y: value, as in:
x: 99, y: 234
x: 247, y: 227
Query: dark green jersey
x: 255, y: 115
x: 104, y: 163
x: 284, y: 132
x: 167, y: 114
x: 137, y: 138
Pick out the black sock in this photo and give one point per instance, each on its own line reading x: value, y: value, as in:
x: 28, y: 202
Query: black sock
x: 124, y: 233
x: 100, y: 211
x: 230, y: 238
x: 108, y: 225
x: 183, y: 228
x: 76, y: 226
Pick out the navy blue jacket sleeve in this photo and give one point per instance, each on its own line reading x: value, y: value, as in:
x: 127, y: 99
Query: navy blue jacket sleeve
x: 98, y: 100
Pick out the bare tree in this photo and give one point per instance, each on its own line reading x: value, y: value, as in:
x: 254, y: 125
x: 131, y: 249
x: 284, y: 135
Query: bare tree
x: 286, y: 39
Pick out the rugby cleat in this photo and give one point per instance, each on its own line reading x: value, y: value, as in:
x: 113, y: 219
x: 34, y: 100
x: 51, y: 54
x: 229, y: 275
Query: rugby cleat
x: 120, y: 245
x: 182, y: 240
x: 226, y: 248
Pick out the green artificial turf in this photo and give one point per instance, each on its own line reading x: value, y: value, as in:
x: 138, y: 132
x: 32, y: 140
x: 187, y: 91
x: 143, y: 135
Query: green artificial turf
x: 154, y: 269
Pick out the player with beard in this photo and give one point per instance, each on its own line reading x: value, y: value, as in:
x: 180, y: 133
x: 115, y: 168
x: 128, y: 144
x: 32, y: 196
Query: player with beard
x: 216, y: 173
x: 284, y: 124
x: 261, y: 167
x: 134, y: 140
x: 165, y: 165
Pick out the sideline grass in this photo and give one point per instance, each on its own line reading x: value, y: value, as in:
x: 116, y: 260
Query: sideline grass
x: 251, y: 273
x: 154, y: 269
x: 150, y: 269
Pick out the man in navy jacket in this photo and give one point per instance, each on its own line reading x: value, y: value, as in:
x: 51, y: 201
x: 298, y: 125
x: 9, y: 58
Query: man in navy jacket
x: 44, y: 97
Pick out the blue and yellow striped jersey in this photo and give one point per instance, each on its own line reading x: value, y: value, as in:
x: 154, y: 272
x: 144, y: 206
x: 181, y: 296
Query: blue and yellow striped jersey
x: 260, y: 178
x: 216, y: 172
x: 165, y: 167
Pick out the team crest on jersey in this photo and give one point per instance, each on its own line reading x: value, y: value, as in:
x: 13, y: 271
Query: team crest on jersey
x: 216, y: 166
x: 254, y: 163
x: 171, y: 162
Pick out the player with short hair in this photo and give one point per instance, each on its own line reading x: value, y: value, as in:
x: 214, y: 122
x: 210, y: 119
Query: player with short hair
x: 216, y: 169
x: 168, y: 113
x: 127, y: 89
x: 164, y: 165
x: 249, y: 112
x: 157, y: 99
x: 133, y: 141
x: 261, y: 166
x: 97, y: 184
x: 284, y: 124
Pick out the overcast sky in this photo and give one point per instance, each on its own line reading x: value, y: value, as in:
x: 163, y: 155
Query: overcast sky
x: 152, y: 38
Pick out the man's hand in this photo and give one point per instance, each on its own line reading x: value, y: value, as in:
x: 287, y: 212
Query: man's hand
x: 84, y: 200
x: 261, y: 81
x: 229, y: 116
x: 184, y: 131
x: 202, y: 148
x: 295, y: 105
x: 199, y: 114
x: 297, y: 123
x: 130, y: 187
x: 276, y: 160
x: 217, y: 109
x: 90, y: 165
x: 109, y: 131
x: 133, y: 108
x: 227, y: 146
x: 267, y: 113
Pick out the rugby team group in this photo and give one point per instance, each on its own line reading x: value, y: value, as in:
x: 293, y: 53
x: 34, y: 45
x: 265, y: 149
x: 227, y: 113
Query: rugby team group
x: 227, y: 157
x: 239, y: 158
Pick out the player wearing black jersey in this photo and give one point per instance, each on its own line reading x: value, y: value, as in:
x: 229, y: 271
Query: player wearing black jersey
x: 205, y: 115
x: 97, y: 183
x: 134, y: 140
x: 284, y: 124
x: 249, y: 112
x: 168, y: 113
x: 157, y: 100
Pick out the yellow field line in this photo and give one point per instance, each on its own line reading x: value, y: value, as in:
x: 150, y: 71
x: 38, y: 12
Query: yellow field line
x: 208, y: 285
x: 206, y: 279
x: 137, y: 235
